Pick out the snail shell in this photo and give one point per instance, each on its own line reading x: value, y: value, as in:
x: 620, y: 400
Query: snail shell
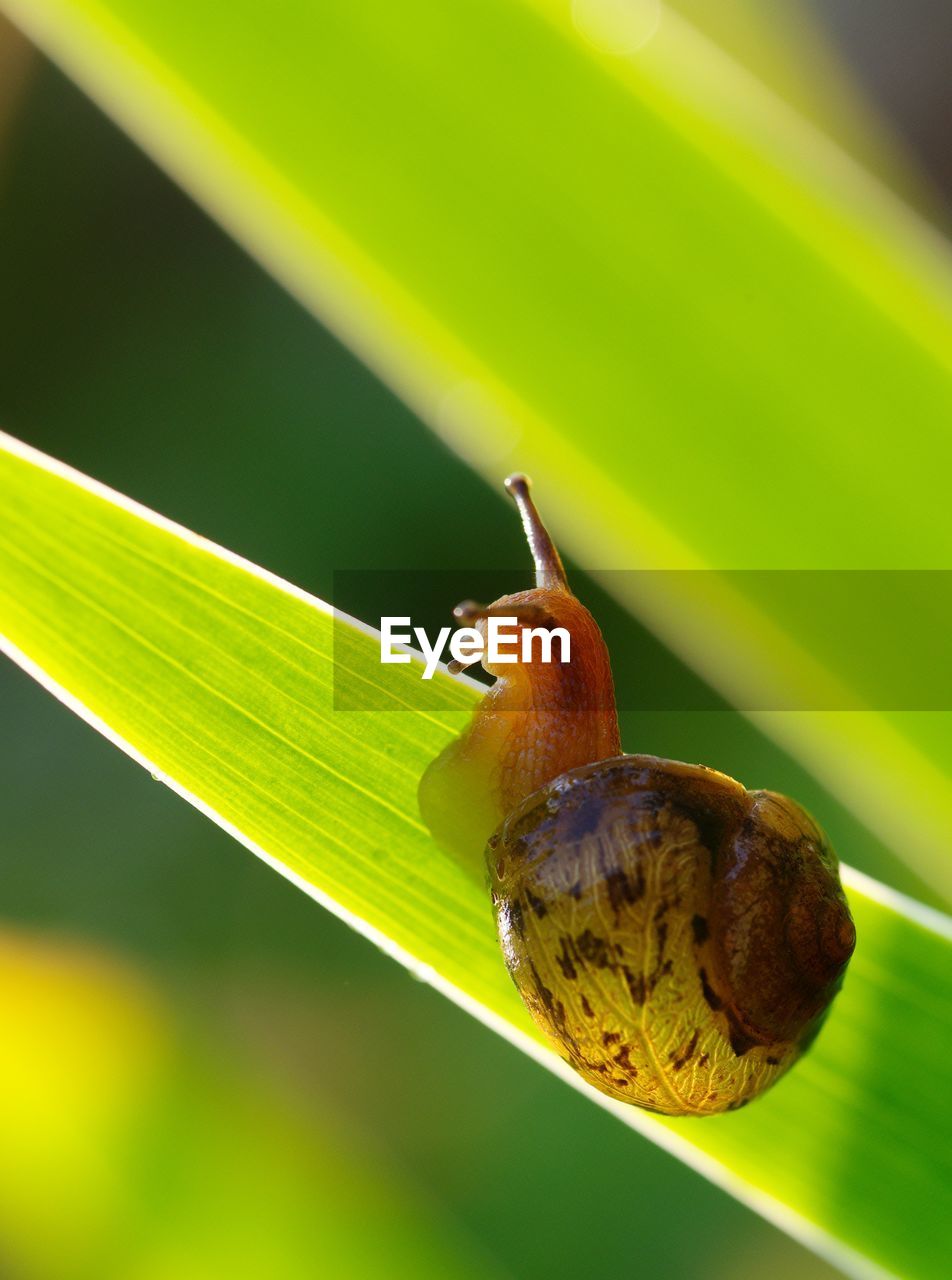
x: 677, y: 937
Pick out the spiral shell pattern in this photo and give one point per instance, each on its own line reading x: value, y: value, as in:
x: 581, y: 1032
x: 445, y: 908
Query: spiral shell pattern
x: 677, y: 937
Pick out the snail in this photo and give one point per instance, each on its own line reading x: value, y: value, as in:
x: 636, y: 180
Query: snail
x: 677, y: 938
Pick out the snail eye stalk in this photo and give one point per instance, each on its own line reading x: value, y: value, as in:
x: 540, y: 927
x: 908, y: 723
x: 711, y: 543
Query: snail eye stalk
x: 550, y: 572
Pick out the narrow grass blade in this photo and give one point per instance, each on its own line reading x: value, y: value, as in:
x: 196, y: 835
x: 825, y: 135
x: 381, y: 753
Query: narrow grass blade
x: 608, y: 256
x: 218, y: 677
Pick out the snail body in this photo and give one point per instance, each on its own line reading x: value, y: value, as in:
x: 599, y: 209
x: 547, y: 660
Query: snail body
x: 677, y: 938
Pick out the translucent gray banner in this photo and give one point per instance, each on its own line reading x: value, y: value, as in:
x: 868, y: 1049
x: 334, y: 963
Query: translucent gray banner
x: 774, y: 640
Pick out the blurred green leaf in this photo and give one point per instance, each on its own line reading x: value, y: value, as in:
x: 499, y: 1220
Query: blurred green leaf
x: 786, y: 46
x: 220, y: 679
x: 128, y: 1151
x: 588, y: 244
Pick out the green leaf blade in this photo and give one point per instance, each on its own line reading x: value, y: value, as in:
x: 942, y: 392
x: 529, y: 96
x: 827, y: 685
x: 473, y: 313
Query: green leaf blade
x: 709, y: 336
x: 220, y: 678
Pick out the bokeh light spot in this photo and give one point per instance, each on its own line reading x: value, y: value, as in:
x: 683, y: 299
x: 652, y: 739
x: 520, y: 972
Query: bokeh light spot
x: 617, y: 27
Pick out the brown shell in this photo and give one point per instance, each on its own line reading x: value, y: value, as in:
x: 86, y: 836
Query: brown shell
x: 678, y: 938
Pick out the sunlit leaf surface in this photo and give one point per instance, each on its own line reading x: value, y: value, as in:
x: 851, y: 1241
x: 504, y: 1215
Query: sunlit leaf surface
x: 584, y: 242
x: 221, y: 680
